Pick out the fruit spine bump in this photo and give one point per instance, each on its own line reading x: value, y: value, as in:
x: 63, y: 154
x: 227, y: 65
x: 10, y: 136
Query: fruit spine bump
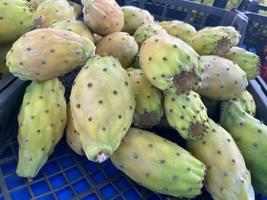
x: 159, y: 165
x: 250, y: 136
x: 170, y: 64
x: 247, y: 103
x: 148, y: 110
x: 211, y: 42
x: 42, y: 119
x: 227, y: 175
x: 103, y: 124
x: 58, y: 52
x: 103, y: 17
x: 222, y: 79
x: 187, y: 114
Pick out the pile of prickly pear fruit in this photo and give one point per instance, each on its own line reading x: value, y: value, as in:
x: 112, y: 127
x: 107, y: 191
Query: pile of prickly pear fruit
x: 136, y: 74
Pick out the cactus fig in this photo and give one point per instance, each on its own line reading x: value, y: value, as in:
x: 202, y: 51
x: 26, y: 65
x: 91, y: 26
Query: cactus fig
x: 211, y: 42
x: 246, y: 60
x: 246, y: 102
x: 77, y: 9
x: 159, y: 164
x: 51, y: 11
x: 227, y: 176
x: 149, y: 110
x: 170, y: 64
x: 179, y: 29
x: 47, y: 53
x: 118, y: 45
x: 42, y: 119
x: 222, y: 78
x: 251, y: 137
x: 75, y: 26
x: 134, y: 18
x: 187, y: 114
x: 16, y: 18
x: 103, y: 17
x: 106, y: 86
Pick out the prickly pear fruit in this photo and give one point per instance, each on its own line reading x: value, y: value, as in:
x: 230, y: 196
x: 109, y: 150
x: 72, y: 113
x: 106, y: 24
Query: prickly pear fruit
x: 246, y: 102
x: 187, y: 114
x: 97, y: 38
x: 227, y: 176
x: 52, y: 11
x: 77, y: 8
x: 72, y: 136
x: 251, y: 137
x: 35, y: 3
x: 16, y: 19
x: 134, y: 18
x: 170, y: 64
x: 232, y: 33
x: 211, y: 42
x: 147, y: 30
x: 42, y: 119
x: 47, y: 53
x: 246, y: 60
x: 179, y: 29
x: 103, y: 17
x: 118, y: 45
x: 158, y: 164
x: 149, y: 110
x: 104, y: 123
x: 213, y: 107
x: 222, y: 78
x: 75, y: 26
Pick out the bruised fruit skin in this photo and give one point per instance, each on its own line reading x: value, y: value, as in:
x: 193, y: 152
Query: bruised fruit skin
x: 247, y: 103
x: 102, y: 111
x: 159, y: 165
x: 134, y: 18
x: 149, y: 110
x: 118, y: 45
x: 222, y: 79
x: 170, y: 64
x: 250, y: 136
x: 246, y: 60
x: 147, y: 30
x: 227, y: 176
x: 52, y: 11
x: 211, y: 42
x: 16, y: 18
x: 43, y: 54
x: 179, y: 29
x: 75, y: 26
x: 187, y: 114
x: 72, y: 136
x: 103, y: 17
x: 42, y: 119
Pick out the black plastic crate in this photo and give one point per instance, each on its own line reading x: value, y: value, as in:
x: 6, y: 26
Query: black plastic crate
x: 224, y: 3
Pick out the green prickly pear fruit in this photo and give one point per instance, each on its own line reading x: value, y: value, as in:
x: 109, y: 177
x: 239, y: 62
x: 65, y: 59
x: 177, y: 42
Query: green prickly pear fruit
x: 227, y: 176
x: 134, y: 18
x: 222, y: 79
x: 251, y: 137
x: 118, y: 45
x: 72, y: 136
x: 52, y: 11
x: 213, y: 107
x: 103, y: 17
x: 16, y: 18
x: 187, y: 114
x: 77, y: 8
x: 103, y: 123
x: 159, y: 165
x: 246, y: 60
x: 42, y: 119
x: 179, y: 29
x: 75, y: 26
x: 147, y: 30
x: 232, y: 33
x: 170, y: 64
x: 36, y: 3
x: 211, y: 42
x: 148, y: 110
x: 43, y: 54
x: 247, y: 103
